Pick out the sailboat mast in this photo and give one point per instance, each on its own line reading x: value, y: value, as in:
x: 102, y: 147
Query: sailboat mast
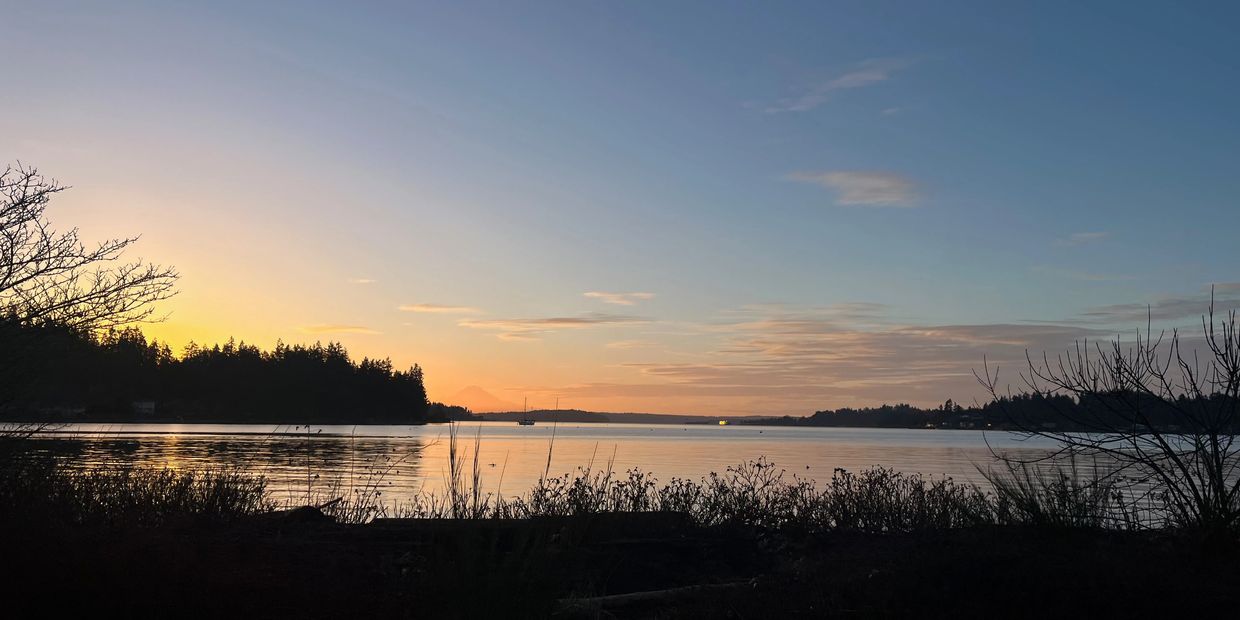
x: 525, y: 420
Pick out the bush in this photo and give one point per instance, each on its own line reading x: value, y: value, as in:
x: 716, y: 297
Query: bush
x: 41, y: 489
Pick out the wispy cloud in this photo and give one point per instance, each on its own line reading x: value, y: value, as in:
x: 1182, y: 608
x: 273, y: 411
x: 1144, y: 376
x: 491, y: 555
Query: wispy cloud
x: 1082, y: 238
x: 1166, y: 308
x: 790, y: 319
x: 861, y: 75
x: 863, y: 188
x: 779, y: 357
x: 531, y: 328
x: 518, y: 336
x: 438, y: 309
x: 631, y: 344
x: 559, y: 322
x: 361, y: 281
x: 620, y: 299
x: 337, y: 329
x: 815, y: 358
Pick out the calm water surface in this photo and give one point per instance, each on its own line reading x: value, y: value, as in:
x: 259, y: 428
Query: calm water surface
x: 410, y: 459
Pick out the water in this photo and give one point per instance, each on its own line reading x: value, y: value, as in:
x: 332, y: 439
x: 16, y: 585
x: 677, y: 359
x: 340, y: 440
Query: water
x: 405, y: 460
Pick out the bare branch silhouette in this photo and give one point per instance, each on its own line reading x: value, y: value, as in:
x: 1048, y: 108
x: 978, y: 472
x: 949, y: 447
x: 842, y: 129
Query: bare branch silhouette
x: 50, y: 278
x: 1163, y: 413
x: 54, y: 277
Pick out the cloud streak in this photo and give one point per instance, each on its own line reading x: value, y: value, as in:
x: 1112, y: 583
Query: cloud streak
x: 631, y: 344
x: 866, y: 188
x: 811, y: 361
x: 864, y: 74
x: 438, y: 309
x: 337, y: 329
x: 532, y: 328
x: 619, y: 299
x: 790, y: 359
x: 1166, y: 308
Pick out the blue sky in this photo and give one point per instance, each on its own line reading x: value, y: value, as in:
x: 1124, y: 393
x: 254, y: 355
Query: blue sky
x: 853, y: 176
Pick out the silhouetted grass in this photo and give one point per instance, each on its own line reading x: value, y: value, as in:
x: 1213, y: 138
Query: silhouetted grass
x: 759, y: 494
x: 754, y: 494
x: 42, y: 489
x: 1062, y: 496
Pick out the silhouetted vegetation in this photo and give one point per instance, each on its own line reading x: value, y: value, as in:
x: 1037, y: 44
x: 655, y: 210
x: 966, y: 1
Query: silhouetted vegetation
x: 43, y: 491
x: 118, y: 375
x: 760, y: 494
x: 750, y: 494
x: 1163, y: 414
x: 441, y: 412
x: 1163, y: 425
x: 69, y: 348
x: 948, y: 415
x: 1019, y: 412
x: 53, y: 278
x: 588, y: 543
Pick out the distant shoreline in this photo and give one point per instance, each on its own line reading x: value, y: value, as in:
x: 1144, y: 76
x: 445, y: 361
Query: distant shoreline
x: 505, y: 417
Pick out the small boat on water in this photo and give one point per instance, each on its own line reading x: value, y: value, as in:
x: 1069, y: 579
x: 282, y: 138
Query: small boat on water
x: 525, y: 420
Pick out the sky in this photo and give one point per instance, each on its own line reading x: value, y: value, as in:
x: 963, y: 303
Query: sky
x: 711, y: 208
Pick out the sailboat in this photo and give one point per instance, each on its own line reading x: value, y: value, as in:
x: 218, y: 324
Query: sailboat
x: 525, y: 420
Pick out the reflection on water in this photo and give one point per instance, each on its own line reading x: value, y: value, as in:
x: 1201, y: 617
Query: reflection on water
x: 408, y: 459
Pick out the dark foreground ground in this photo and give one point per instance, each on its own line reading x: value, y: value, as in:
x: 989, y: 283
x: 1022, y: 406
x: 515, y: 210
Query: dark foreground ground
x: 607, y: 566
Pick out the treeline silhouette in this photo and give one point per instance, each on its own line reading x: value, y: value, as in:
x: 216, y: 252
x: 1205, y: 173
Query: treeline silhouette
x: 1101, y: 412
x: 118, y: 375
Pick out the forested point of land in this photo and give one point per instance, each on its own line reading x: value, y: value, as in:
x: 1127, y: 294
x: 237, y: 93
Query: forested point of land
x: 62, y: 374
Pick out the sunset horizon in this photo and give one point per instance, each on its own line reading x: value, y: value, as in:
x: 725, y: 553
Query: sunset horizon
x: 824, y: 220
x: 674, y: 310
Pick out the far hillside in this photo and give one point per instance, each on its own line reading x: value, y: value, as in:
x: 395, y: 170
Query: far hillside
x: 579, y: 416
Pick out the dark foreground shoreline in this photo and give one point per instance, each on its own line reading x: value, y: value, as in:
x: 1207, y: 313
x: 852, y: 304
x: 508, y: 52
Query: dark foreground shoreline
x: 652, y: 565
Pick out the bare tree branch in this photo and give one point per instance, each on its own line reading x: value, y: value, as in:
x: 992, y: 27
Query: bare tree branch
x: 51, y: 277
x: 1164, y: 416
x: 54, y: 278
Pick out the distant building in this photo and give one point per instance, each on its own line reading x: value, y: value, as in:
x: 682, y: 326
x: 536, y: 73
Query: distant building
x: 143, y: 407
